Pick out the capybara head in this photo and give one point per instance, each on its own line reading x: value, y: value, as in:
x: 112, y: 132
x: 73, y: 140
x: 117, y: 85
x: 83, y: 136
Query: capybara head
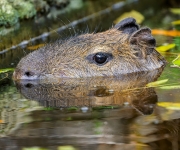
x: 123, y: 49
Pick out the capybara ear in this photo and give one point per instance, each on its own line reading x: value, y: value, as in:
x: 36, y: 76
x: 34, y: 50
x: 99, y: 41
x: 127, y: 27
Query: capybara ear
x: 127, y: 25
x: 143, y: 38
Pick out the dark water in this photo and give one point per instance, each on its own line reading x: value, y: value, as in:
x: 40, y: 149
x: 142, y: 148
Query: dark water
x: 93, y: 113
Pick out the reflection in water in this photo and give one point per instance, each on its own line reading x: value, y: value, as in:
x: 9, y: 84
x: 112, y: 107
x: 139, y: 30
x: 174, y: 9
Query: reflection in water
x: 94, y: 92
x: 102, y: 113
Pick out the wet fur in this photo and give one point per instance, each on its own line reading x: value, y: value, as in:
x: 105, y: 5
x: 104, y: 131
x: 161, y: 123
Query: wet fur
x: 68, y: 58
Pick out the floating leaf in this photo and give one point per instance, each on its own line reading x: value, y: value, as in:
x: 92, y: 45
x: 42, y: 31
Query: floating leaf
x: 175, y: 10
x: 165, y: 48
x: 177, y: 22
x: 169, y: 87
x: 166, y: 32
x: 35, y: 47
x: 156, y: 83
x: 6, y: 70
x: 176, y: 61
x: 138, y: 16
x: 66, y: 148
x: 169, y: 105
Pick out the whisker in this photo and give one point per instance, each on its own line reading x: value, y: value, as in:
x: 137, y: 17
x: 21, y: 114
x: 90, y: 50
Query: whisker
x: 96, y: 29
x: 70, y: 23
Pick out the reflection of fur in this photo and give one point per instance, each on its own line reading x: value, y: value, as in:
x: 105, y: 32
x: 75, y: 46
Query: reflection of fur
x: 93, y: 92
x: 131, y: 52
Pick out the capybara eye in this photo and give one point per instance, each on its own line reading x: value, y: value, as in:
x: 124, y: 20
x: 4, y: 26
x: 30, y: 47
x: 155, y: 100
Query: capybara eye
x: 100, y: 58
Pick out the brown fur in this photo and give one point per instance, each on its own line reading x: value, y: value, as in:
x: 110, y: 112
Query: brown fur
x: 131, y: 53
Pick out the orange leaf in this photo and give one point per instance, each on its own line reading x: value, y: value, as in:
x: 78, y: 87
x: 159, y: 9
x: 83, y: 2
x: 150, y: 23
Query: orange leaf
x: 1, y: 121
x: 166, y: 32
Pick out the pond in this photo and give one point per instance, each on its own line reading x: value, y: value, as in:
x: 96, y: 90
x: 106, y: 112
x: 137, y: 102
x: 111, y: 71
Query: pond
x: 132, y: 111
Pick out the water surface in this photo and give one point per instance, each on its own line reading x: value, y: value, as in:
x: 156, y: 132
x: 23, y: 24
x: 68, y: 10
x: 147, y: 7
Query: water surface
x: 92, y: 113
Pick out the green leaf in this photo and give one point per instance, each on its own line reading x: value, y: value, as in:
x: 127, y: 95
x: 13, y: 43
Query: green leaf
x: 177, y: 41
x: 177, y: 22
x: 156, y: 83
x: 169, y: 105
x: 176, y: 61
x: 169, y: 87
x: 68, y: 147
x: 175, y: 10
x: 165, y: 48
x: 6, y: 70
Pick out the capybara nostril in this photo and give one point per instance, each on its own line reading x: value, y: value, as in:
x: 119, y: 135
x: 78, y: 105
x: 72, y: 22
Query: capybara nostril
x: 29, y: 73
